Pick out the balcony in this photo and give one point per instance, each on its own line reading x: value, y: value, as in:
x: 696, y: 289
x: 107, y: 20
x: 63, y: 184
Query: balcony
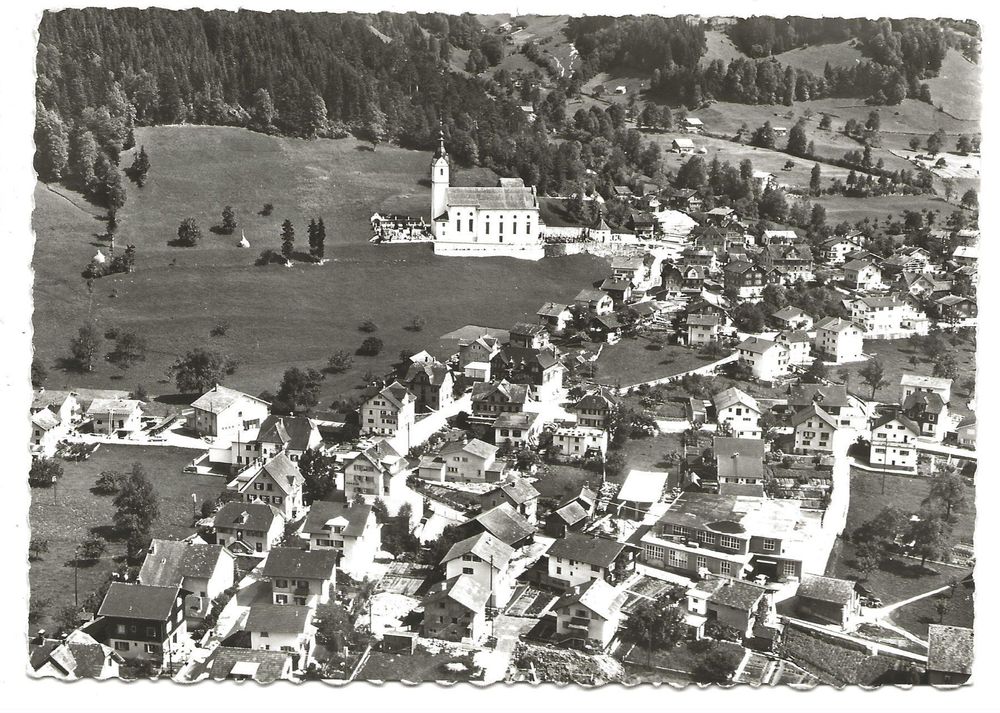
x: 301, y: 591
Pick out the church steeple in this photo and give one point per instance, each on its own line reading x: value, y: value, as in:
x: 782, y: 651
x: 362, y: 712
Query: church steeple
x: 441, y: 152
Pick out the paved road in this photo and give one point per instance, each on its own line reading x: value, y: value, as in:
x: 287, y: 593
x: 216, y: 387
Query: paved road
x: 508, y: 630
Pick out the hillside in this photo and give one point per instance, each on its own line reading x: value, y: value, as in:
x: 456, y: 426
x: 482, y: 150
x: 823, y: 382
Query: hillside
x: 719, y: 46
x: 958, y: 87
x: 814, y: 58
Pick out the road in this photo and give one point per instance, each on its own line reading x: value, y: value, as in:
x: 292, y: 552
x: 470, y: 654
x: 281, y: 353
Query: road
x: 508, y: 630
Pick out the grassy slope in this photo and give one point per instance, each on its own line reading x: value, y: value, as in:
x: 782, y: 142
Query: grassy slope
x: 68, y: 521
x: 279, y: 317
x: 958, y: 86
x: 719, y: 46
x: 815, y: 57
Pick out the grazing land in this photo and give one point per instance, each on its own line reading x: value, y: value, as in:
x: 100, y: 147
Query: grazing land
x: 70, y: 513
x: 632, y: 361
x: 177, y: 295
x: 814, y: 58
x: 958, y: 87
x: 719, y: 46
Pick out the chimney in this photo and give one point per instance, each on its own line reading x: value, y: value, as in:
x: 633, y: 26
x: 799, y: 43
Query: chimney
x: 39, y: 637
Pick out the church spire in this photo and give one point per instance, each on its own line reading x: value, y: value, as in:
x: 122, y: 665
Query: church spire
x: 440, y: 149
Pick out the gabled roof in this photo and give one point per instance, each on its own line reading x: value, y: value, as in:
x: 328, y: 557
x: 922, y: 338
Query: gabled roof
x: 139, y: 601
x: 282, y: 470
x: 739, y: 457
x: 826, y: 589
x: 396, y: 394
x: 493, y: 197
x: 571, y: 513
x: 267, y: 666
x: 756, y: 345
x: 789, y: 313
x: 476, y: 447
x: 518, y: 490
x: 291, y: 563
x: 836, y: 324
x: 485, y: 546
x: 247, y: 516
x: 293, y: 432
x: 590, y: 294
x: 925, y: 382
x: 79, y: 656
x: 733, y: 396
x: 599, y: 398
x: 436, y: 372
x: 792, y: 336
x: 219, y: 398
x: 596, y: 595
x: 889, y: 417
x: 50, y: 399
x: 729, y: 592
x: 832, y: 396
x: 552, y: 309
x: 354, y: 516
x: 168, y: 562
x: 949, y: 649
x: 524, y: 420
x: 589, y: 549
x: 505, y: 523
x: 923, y: 401
x: 279, y: 618
x: 612, y: 285
x: 800, y: 417
x: 702, y: 320
x: 859, y: 265
x: 106, y: 405
x: 513, y: 393
x: 463, y: 589
x: 45, y: 419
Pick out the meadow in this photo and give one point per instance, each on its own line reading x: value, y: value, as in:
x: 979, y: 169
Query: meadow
x: 277, y: 317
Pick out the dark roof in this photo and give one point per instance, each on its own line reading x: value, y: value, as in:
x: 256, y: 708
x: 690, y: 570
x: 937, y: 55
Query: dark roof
x: 800, y: 417
x: 552, y: 309
x: 732, y: 593
x: 739, y: 457
x: 514, y: 393
x: 322, y: 511
x: 923, y: 401
x: 248, y: 516
x: 906, y: 421
x: 518, y: 490
x: 493, y: 198
x: 826, y: 589
x: 950, y: 649
x: 485, y: 546
x: 80, y: 655
x: 505, y: 524
x: 600, y: 398
x: 139, y: 601
x: 291, y: 431
x: 269, y: 664
x: 293, y: 563
x: 169, y: 561
x: 832, y: 396
x: 278, y: 618
x: 571, y: 513
x: 589, y: 549
x: 464, y: 589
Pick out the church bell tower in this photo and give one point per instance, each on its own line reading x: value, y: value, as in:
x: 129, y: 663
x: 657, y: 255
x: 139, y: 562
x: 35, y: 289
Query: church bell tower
x: 439, y: 181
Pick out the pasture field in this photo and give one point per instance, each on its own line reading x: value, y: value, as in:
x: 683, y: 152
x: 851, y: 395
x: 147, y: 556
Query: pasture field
x: 814, y: 58
x: 278, y: 317
x: 719, y: 46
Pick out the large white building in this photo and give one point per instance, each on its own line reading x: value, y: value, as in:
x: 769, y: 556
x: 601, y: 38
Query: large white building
x: 497, y: 220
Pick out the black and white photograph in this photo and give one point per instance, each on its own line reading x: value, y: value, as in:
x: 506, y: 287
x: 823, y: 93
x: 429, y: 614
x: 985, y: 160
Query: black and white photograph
x: 623, y: 347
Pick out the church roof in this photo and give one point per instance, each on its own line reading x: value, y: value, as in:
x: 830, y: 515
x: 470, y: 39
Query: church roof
x: 495, y: 198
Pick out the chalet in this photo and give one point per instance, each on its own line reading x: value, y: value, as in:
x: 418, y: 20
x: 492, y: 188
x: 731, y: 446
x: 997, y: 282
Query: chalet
x: 764, y: 181
x: 578, y: 558
x: 390, y: 412
x: 965, y: 434
x: 693, y: 278
x: 862, y: 275
x: 834, y: 250
x: 595, y: 301
x: 671, y: 278
x: 827, y: 600
x: 481, y: 349
x: 702, y: 257
x: 605, y: 328
x: 848, y: 410
x: 431, y: 384
x: 300, y: 577
x: 144, y: 622
x: 539, y: 367
x: 965, y: 255
x: 929, y: 412
x: 693, y: 125
x: 484, y: 559
x: 63, y: 404
x: 378, y: 472
x: 524, y: 335
x: 792, y: 318
x: 766, y: 359
x: 739, y: 461
x: 594, y: 407
x: 222, y: 413
x: 739, y: 411
x: 703, y: 329
x: 291, y: 435
x: 643, y: 224
x: 503, y: 522
x: 686, y: 199
x: 349, y: 529
x: 892, y: 442
x: 248, y: 528
x: 464, y: 461
x: 46, y: 432
x: 620, y: 290
x: 745, y: 279
x: 683, y: 146
x: 455, y: 610
x: 950, y: 651
x: 491, y: 399
x: 630, y: 269
x: 111, y: 417
x: 917, y: 383
x: 518, y: 429
x: 589, y: 612
x: 779, y: 237
x: 889, y: 317
x: 277, y: 482
x: 518, y: 493
x: 288, y: 629
x: 202, y: 571
x: 798, y: 344
x: 623, y: 193
x: 922, y: 284
x: 729, y: 601
x: 839, y: 340
x: 954, y: 308
x: 816, y: 431
x: 555, y: 317
x: 794, y: 261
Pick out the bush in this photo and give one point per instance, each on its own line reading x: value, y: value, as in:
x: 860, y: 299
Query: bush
x: 268, y: 256
x: 368, y: 325
x: 340, y: 361
x: 372, y: 346
x: 267, y: 209
x: 109, y: 482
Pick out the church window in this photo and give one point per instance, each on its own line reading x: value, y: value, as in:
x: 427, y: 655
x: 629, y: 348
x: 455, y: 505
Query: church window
x: 487, y: 225
x: 527, y: 227
x: 470, y: 225
x: 513, y: 228
x: 501, y: 226
x: 458, y: 226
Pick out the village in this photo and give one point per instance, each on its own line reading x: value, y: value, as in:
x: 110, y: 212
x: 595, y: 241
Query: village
x: 432, y: 547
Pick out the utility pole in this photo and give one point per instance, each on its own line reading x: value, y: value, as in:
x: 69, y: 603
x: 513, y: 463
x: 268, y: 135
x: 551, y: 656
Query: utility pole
x: 76, y: 578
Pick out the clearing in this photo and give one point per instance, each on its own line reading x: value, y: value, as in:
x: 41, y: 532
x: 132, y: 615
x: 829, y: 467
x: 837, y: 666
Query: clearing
x: 632, y: 361
x: 814, y: 58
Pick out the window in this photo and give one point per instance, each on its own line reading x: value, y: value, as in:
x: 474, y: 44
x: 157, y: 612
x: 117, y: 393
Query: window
x: 120, y: 629
x: 725, y: 568
x: 277, y: 499
x: 281, y: 583
x: 702, y: 562
x: 281, y: 599
x: 653, y: 552
x: 678, y: 559
x: 707, y: 537
x: 468, y: 570
x: 768, y: 545
x: 258, y: 486
x: 121, y: 646
x: 259, y: 546
x: 458, y: 226
x: 731, y: 543
x: 264, y: 635
x: 470, y: 225
x: 150, y: 631
x: 300, y: 601
x: 788, y: 569
x: 558, y: 570
x: 679, y: 530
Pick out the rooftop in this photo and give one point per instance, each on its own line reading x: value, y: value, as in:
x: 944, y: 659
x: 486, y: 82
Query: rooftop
x: 219, y: 398
x: 291, y: 563
x: 485, y: 546
x: 826, y: 589
x: 589, y: 549
x: 139, y: 601
x: 353, y: 517
x: 950, y: 649
x: 279, y: 618
x: 643, y: 486
x: 596, y: 595
x: 734, y: 514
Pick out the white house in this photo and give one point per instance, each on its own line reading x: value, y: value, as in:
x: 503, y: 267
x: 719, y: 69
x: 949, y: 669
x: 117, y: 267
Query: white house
x: 203, y: 570
x: 248, y: 528
x: 391, y: 412
x: 915, y: 383
x: 276, y: 482
x: 767, y: 359
x: 300, y: 577
x: 839, y: 340
x: 798, y: 344
x: 290, y: 629
x: 862, y: 275
x: 578, y: 441
x: 816, y: 431
x: 591, y: 611
x: 518, y: 429
x: 793, y: 318
x: 350, y: 529
x: 111, y: 416
x: 683, y: 146
x: 46, y: 432
x: 577, y: 558
x: 222, y: 412
x: 892, y: 443
x: 740, y: 411
x: 484, y: 558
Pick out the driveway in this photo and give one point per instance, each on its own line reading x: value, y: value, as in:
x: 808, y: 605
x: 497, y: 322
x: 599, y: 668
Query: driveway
x: 508, y: 631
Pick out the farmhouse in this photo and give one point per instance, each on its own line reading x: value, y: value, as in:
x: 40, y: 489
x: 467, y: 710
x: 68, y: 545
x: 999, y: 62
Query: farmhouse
x: 518, y: 493
x: 115, y: 416
x: 222, y: 412
x: 917, y: 383
x: 729, y: 601
x: 432, y: 385
x: 739, y: 411
x: 555, y: 317
x: 589, y: 612
x: 593, y: 408
x: 683, y: 146
x: 472, y: 461
x: 816, y: 431
x: 282, y: 628
x: 792, y: 318
x: 862, y: 275
x: 248, y: 528
x: 949, y: 655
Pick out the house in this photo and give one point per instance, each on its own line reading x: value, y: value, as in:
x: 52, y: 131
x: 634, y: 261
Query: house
x: 746, y: 279
x: 539, y: 367
x: 378, y: 472
x: 889, y: 317
x: 594, y: 407
x: 639, y: 492
x: 848, y: 410
x: 115, y: 416
x: 641, y: 223
x: 391, y: 412
x: 300, y: 577
x: 686, y: 199
x: 764, y: 180
x: 862, y: 275
x: 248, y: 528
x: 455, y: 610
x: 798, y: 344
x: 206, y: 571
x: 591, y: 611
x: 503, y: 522
x: 518, y: 493
x: 432, y: 384
x: 966, y: 432
x: 580, y: 441
x: 835, y: 249
x: 291, y: 435
x: 144, y: 622
x: 518, y: 429
x: 481, y: 349
x: 964, y: 255
x: 46, y: 432
x: 730, y: 602
x: 472, y: 461
x: 484, y: 559
x: 792, y: 318
x: 795, y: 261
x: 739, y: 461
x: 290, y: 629
x: 349, y: 529
x: 779, y: 237
x: 696, y: 411
x: 728, y: 534
x: 555, y: 317
x: 597, y: 302
x: 693, y: 278
x: 571, y: 513
x: 766, y: 359
x: 816, y: 431
x: 950, y: 651
x: 702, y: 329
x: 631, y: 269
x: 529, y: 336
x: 77, y: 656
x: 827, y: 600
x: 239, y: 664
x: 739, y: 411
x: 953, y: 308
x: 892, y: 442
x: 693, y: 125
x: 683, y: 146
x: 620, y: 291
x: 493, y: 398
x: 623, y: 192
x: 222, y: 412
x: 63, y: 404
x: 929, y: 412
x: 699, y: 257
x: 277, y: 482
x: 916, y: 383
x: 578, y: 558
x: 839, y: 340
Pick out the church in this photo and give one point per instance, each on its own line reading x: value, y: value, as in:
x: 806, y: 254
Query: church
x: 497, y: 220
